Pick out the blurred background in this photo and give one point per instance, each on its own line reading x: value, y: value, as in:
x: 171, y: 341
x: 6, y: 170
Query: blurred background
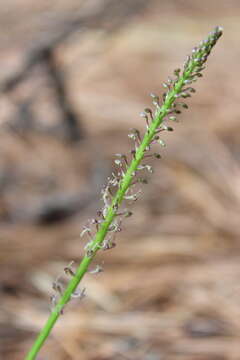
x: 74, y: 76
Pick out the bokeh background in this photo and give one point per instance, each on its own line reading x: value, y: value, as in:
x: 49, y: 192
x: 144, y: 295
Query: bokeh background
x: 74, y: 76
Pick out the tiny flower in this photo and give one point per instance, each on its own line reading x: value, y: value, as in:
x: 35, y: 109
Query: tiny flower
x: 68, y: 269
x: 161, y: 142
x: 79, y: 293
x: 57, y: 286
x: 98, y: 269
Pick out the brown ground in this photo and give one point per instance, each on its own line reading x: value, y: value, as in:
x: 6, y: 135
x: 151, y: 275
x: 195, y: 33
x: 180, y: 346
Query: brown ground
x: 170, y: 289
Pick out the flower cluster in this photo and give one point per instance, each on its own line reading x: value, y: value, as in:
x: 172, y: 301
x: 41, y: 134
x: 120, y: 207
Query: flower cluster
x: 58, y: 287
x: 121, y: 186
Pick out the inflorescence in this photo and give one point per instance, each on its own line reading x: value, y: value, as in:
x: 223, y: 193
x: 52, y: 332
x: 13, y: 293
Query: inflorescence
x: 177, y: 89
x: 123, y: 186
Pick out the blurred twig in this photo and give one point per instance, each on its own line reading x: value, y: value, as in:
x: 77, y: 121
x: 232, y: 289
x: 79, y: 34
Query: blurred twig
x: 111, y: 15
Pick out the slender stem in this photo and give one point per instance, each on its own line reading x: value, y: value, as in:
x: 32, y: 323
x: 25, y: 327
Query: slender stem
x: 193, y: 65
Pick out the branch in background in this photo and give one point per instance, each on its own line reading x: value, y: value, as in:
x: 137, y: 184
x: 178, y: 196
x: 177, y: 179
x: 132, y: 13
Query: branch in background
x: 60, y: 206
x: 112, y: 15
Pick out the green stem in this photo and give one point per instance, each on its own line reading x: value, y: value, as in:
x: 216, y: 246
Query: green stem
x: 96, y: 243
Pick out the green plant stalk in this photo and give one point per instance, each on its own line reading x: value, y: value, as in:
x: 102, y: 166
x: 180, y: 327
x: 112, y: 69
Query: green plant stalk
x: 162, y: 111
